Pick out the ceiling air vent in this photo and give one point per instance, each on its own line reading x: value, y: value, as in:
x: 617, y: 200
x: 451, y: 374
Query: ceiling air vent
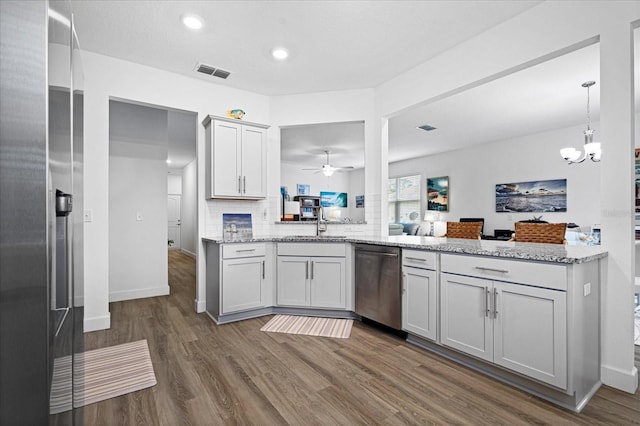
x: 209, y: 70
x: 426, y: 128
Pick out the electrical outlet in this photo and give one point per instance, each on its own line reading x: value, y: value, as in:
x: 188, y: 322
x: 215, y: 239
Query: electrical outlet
x: 139, y: 216
x: 88, y: 216
x: 587, y: 289
x: 264, y: 214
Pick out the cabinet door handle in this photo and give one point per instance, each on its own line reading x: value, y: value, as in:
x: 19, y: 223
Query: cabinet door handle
x: 486, y: 302
x: 416, y: 258
x: 306, y: 270
x: 239, y: 185
x: 244, y: 184
x: 312, y: 269
x: 502, y: 271
x: 244, y: 250
x: 263, y: 269
x: 495, y: 303
x: 404, y: 283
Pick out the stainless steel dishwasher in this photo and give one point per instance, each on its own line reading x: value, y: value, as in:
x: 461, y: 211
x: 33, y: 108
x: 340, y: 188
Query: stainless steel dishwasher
x: 379, y: 284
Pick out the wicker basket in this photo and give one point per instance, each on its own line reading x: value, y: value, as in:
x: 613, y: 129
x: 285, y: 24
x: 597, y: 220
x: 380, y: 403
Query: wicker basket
x: 466, y: 230
x: 550, y: 233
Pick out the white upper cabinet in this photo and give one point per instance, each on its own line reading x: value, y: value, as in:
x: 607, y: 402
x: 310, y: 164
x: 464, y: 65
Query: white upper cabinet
x: 236, y: 158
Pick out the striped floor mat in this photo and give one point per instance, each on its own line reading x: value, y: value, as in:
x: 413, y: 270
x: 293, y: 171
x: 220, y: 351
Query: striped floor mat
x: 101, y: 374
x: 310, y: 326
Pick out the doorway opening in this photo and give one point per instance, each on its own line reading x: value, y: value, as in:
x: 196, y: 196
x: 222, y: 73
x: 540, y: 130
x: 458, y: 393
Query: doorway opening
x: 152, y: 154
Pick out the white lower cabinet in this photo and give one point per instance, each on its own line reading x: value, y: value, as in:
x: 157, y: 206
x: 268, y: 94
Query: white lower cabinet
x: 520, y: 327
x: 317, y: 282
x: 243, y: 284
x: 419, y: 294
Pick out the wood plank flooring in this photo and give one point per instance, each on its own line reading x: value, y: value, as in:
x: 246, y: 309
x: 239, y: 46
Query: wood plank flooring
x: 235, y: 374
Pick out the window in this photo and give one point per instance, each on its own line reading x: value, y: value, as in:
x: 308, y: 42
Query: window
x: 404, y: 198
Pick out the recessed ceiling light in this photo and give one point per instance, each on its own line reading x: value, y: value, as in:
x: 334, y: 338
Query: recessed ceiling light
x: 280, y: 53
x: 192, y: 22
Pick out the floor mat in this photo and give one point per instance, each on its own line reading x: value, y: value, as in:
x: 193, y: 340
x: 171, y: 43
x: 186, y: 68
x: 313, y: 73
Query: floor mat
x: 310, y: 326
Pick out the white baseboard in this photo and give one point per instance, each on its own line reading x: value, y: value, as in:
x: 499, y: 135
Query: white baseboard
x: 624, y: 380
x: 200, y: 305
x: 188, y: 253
x: 97, y: 323
x: 118, y: 296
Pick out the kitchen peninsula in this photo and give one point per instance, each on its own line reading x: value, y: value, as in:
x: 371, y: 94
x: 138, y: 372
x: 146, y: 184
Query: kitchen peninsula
x: 524, y: 313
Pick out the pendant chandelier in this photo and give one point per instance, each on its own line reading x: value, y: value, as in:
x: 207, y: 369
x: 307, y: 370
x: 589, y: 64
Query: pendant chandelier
x: 592, y: 149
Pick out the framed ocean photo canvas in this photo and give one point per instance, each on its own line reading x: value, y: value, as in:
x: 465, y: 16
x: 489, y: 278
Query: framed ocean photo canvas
x: 333, y: 199
x: 438, y: 194
x: 304, y: 189
x: 237, y: 226
x: 541, y: 196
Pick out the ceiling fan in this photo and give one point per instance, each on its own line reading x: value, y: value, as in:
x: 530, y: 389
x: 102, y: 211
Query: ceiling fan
x: 327, y: 169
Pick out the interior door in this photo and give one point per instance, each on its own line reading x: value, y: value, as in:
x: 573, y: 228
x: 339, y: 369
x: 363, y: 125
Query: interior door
x: 173, y: 218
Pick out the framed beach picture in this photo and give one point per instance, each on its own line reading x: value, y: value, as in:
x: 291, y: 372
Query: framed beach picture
x: 237, y: 226
x: 303, y: 189
x: 541, y: 196
x: 333, y: 199
x: 438, y: 194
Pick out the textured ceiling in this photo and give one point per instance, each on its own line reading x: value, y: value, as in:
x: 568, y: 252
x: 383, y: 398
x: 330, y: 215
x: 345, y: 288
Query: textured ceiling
x: 334, y: 45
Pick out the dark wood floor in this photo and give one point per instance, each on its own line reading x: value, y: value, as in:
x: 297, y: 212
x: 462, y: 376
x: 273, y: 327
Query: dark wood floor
x: 236, y: 374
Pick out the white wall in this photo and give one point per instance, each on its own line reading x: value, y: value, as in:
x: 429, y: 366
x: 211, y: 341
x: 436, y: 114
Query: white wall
x: 107, y: 78
x: 474, y: 172
x: 137, y: 248
x: 188, y: 209
x: 174, y: 184
x: 536, y: 35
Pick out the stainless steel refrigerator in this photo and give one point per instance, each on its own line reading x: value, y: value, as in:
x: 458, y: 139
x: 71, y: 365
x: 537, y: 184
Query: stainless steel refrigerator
x: 41, y: 204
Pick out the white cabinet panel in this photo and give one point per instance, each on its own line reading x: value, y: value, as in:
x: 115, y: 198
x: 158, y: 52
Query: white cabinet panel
x: 226, y: 159
x: 293, y: 281
x: 530, y: 332
x: 242, y: 284
x: 254, y: 162
x: 236, y: 158
x: 328, y: 282
x: 233, y: 251
x: 520, y: 327
x: 465, y: 321
x: 419, y: 307
x: 515, y: 271
x: 308, y: 275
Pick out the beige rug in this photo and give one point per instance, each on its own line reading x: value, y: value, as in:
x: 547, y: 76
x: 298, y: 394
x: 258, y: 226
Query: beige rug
x: 310, y: 326
x: 102, y: 374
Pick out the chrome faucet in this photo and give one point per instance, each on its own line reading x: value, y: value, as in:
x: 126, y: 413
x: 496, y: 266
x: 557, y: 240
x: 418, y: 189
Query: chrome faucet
x: 321, y: 224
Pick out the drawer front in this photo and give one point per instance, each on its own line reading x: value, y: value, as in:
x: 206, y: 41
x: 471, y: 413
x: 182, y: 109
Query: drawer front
x: 235, y: 251
x: 419, y: 259
x: 312, y: 249
x: 516, y: 271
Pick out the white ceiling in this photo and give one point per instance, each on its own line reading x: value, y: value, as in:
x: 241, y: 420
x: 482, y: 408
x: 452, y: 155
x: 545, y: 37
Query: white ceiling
x: 334, y: 45
x: 349, y: 45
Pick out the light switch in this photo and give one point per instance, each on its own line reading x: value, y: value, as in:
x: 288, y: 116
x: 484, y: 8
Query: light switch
x: 587, y: 289
x: 88, y: 216
x: 139, y: 216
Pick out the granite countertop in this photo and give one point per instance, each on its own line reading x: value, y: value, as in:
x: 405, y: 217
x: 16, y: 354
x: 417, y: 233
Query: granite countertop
x: 556, y: 253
